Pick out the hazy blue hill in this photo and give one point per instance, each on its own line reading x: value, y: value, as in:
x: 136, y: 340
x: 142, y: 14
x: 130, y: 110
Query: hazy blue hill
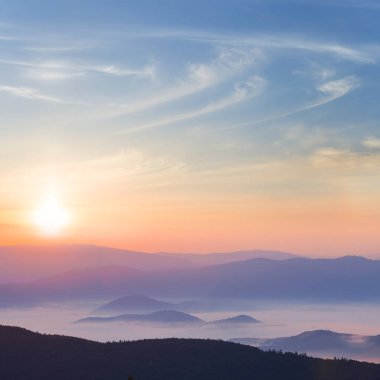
x: 194, y: 306
x: 30, y: 356
x: 322, y: 343
x: 172, y: 316
x: 141, y: 303
x: 230, y: 257
x: 342, y: 278
x: 163, y: 316
x: 135, y: 303
x: 346, y: 278
x: 238, y: 319
x: 169, y: 317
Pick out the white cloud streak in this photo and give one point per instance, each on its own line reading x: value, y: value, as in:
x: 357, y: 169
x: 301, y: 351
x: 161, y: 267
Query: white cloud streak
x: 242, y: 91
x: 371, y: 143
x: 35, y: 94
x: 58, y: 70
x: 332, y: 91
x: 359, y: 54
x: 29, y: 93
x: 199, y: 77
x: 337, y: 88
x: 147, y: 71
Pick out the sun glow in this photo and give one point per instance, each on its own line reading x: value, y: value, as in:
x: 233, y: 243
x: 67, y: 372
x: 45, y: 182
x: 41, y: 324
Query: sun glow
x: 51, y: 218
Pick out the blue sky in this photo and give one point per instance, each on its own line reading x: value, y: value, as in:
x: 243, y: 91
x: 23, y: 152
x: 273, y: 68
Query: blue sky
x: 243, y: 105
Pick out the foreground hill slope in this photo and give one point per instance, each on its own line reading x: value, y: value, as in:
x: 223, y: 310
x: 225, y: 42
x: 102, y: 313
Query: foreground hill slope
x: 25, y: 355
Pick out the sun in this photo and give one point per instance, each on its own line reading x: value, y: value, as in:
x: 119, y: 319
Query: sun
x: 50, y: 217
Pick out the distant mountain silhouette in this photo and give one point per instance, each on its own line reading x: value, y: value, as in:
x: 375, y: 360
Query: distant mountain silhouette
x: 163, y: 316
x: 239, y: 319
x: 27, y: 263
x: 140, y: 303
x: 322, y: 343
x: 168, y: 317
x: 343, y: 279
x: 230, y: 257
x: 69, y: 285
x: 135, y: 303
x: 25, y: 355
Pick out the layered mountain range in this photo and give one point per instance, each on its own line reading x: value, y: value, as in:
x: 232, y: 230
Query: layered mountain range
x: 101, y: 273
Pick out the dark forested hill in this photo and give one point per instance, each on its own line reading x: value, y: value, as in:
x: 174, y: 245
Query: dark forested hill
x: 25, y: 355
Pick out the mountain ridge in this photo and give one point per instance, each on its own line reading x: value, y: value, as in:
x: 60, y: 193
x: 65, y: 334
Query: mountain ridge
x: 32, y: 262
x: 325, y: 343
x: 46, y: 357
x: 161, y: 316
x: 169, y: 317
x: 346, y: 278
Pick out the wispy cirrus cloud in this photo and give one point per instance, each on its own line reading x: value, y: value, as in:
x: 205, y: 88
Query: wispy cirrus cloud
x: 132, y: 168
x: 58, y: 49
x: 330, y: 90
x: 29, y: 93
x: 147, y: 71
x: 198, y: 77
x: 47, y: 70
x: 345, y: 161
x: 59, y: 70
x: 316, y: 72
x: 363, y: 54
x: 51, y: 75
x: 336, y: 88
x: 242, y: 91
x: 229, y: 61
x: 359, y: 55
x: 371, y: 143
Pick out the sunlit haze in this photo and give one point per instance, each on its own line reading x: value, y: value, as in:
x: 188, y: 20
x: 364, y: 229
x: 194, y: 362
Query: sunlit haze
x: 213, y: 126
x: 50, y: 217
x: 191, y: 187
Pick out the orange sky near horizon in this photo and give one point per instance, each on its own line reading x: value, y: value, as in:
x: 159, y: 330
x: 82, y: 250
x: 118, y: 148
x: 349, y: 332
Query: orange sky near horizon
x: 305, y: 226
x: 154, y: 129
